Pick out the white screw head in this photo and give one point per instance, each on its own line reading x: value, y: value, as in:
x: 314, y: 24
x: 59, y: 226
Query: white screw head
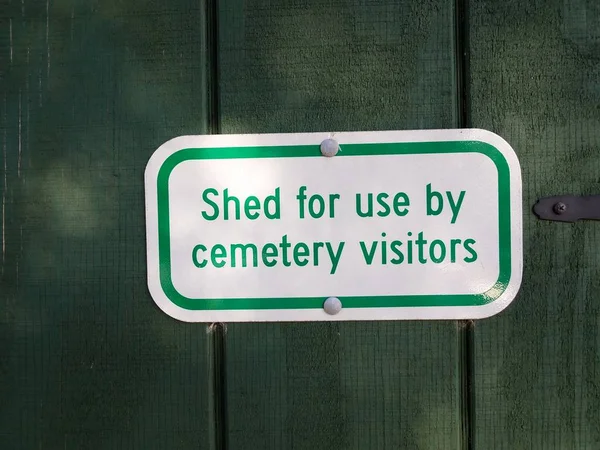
x: 329, y: 147
x: 332, y: 306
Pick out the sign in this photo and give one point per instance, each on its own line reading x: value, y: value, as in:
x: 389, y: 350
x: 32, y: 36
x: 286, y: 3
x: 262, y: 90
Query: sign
x: 396, y: 225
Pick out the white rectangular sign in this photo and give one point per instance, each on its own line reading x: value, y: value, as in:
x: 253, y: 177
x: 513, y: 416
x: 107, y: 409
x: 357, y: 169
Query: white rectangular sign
x: 395, y: 225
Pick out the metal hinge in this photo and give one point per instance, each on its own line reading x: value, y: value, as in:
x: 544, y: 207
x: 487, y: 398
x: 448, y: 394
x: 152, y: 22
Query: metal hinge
x: 568, y: 208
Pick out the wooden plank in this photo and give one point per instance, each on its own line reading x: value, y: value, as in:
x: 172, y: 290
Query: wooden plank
x: 535, y: 72
x: 299, y: 66
x: 88, y: 90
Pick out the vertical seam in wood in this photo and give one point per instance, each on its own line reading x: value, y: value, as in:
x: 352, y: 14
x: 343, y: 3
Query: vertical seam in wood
x: 217, y: 331
x: 461, y: 38
x: 466, y: 394
x: 218, y: 385
x: 212, y: 39
x: 466, y: 328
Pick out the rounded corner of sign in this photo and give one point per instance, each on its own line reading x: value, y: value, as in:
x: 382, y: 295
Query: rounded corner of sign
x: 485, y: 135
x: 183, y: 315
x: 168, y: 148
x: 495, y: 140
x: 168, y: 307
x: 176, y: 143
x: 503, y: 301
x: 494, y: 308
x: 160, y: 298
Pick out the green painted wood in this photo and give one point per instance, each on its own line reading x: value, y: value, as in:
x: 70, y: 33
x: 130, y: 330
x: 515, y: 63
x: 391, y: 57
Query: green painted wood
x: 298, y: 66
x: 535, y: 79
x: 88, y: 90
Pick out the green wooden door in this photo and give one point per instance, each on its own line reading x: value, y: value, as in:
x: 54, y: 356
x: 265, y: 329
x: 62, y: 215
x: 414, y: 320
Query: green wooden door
x: 88, y: 90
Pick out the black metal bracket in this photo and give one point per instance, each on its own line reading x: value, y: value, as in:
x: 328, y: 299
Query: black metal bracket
x: 568, y: 208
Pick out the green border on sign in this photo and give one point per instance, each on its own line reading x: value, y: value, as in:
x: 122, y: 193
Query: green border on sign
x: 301, y: 151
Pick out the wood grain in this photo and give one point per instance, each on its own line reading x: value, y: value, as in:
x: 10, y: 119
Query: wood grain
x: 535, y: 80
x: 88, y: 90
